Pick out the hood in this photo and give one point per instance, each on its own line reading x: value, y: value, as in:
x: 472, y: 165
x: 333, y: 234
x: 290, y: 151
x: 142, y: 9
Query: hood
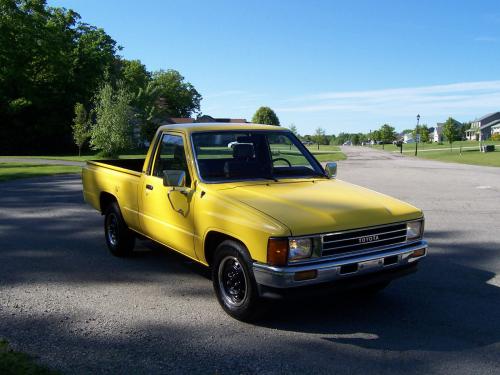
x: 320, y: 206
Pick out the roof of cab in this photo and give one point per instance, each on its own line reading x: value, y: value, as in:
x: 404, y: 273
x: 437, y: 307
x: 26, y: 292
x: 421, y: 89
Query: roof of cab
x: 217, y: 126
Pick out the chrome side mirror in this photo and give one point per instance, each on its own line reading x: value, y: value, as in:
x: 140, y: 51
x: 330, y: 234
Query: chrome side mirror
x: 331, y: 170
x: 174, y: 178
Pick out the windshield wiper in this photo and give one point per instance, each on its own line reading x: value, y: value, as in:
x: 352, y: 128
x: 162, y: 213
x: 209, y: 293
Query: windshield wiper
x: 269, y: 177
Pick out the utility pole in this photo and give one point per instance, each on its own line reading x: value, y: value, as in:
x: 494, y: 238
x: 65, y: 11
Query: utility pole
x: 416, y: 135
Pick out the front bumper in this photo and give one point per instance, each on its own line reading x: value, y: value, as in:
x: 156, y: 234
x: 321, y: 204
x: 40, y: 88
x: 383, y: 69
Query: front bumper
x: 399, y: 256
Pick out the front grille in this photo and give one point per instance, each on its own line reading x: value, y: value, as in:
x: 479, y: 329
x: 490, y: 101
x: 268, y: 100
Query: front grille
x: 357, y: 240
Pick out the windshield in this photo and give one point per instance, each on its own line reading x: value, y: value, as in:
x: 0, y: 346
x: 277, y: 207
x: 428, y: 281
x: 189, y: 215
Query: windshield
x: 234, y: 155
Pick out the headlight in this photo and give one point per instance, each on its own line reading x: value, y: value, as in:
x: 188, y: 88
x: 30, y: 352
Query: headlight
x: 414, y: 230
x: 299, y: 249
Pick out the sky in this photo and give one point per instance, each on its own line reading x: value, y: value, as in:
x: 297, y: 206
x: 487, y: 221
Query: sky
x: 346, y: 66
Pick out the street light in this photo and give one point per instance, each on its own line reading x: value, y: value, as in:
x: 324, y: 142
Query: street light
x: 416, y: 135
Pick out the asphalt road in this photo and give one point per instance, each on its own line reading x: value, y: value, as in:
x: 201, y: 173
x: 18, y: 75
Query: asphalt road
x: 65, y: 300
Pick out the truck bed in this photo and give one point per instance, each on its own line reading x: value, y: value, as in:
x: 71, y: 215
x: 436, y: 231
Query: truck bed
x: 130, y: 164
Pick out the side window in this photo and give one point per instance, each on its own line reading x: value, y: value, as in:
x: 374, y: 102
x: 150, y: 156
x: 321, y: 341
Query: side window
x: 171, y: 156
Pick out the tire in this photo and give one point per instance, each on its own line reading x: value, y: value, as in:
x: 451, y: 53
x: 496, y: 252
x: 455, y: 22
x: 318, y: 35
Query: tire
x: 119, y: 238
x: 234, y: 283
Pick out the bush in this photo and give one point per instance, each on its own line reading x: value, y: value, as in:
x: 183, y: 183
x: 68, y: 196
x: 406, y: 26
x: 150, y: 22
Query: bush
x: 495, y: 137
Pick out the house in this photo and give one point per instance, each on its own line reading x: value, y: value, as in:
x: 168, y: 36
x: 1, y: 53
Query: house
x: 409, y: 138
x: 481, y: 128
x: 206, y: 118
x: 437, y: 135
x: 495, y: 129
x: 431, y: 134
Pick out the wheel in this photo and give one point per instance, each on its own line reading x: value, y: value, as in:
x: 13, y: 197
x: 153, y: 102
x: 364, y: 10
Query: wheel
x: 119, y: 238
x: 234, y: 283
x: 283, y: 159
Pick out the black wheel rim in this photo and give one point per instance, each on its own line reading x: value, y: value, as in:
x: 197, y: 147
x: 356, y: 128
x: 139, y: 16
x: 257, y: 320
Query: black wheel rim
x: 233, y: 281
x: 112, y: 229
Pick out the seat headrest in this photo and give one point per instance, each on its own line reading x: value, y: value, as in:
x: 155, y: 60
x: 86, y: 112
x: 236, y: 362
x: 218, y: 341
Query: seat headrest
x: 243, y: 151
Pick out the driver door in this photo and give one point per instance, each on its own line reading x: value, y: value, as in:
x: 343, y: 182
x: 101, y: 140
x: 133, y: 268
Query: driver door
x: 166, y: 211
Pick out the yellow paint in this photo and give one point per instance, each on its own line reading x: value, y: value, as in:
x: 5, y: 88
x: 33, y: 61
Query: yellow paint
x: 250, y: 211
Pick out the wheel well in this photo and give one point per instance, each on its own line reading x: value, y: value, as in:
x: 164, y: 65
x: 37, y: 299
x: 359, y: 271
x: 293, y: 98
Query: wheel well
x: 212, y: 240
x: 105, y: 200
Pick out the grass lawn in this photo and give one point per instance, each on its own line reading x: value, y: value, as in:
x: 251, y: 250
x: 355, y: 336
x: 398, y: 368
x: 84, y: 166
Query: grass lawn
x: 82, y: 158
x: 410, y: 147
x: 468, y: 156
x: 12, y: 171
x: 470, y: 152
x: 14, y: 363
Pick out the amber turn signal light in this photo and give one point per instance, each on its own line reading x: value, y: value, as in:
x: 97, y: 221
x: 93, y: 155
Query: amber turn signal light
x: 305, y: 275
x: 277, y: 251
x: 418, y: 253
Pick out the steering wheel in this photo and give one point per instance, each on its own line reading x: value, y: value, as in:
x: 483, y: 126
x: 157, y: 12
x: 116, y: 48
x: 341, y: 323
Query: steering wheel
x: 283, y: 159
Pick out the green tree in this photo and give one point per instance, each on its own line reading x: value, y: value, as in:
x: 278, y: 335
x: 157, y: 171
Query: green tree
x: 49, y: 60
x: 113, y: 131
x: 416, y: 132
x: 134, y: 75
x: 355, y: 139
x: 293, y: 129
x: 81, y: 131
x: 375, y: 136
x: 319, y: 137
x: 173, y: 96
x: 450, y: 131
x: 387, y: 134
x: 424, y: 134
x: 342, y: 138
x: 265, y: 115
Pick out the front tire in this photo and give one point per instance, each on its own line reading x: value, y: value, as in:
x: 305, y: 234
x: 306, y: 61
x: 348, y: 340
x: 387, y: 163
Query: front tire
x: 119, y: 238
x: 234, y: 283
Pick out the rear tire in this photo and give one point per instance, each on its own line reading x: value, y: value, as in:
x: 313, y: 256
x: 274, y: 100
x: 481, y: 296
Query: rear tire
x: 119, y: 238
x: 234, y: 283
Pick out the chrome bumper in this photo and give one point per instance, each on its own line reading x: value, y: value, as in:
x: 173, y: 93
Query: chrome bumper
x: 284, y: 277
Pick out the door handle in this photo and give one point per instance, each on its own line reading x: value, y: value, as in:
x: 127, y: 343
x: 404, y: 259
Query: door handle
x: 149, y: 187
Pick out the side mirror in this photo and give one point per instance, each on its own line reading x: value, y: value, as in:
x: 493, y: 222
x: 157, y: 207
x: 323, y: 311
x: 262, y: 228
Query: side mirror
x: 174, y: 178
x: 331, y: 170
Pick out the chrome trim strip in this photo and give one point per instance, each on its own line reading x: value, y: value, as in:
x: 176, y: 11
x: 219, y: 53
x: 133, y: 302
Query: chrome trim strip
x: 368, y: 228
x: 375, y: 234
x: 283, y: 277
x: 363, y: 243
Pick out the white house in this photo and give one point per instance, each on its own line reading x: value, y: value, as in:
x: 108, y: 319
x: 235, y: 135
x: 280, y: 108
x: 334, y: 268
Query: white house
x: 437, y: 136
x: 408, y: 138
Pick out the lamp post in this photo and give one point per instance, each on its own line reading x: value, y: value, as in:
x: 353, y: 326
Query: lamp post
x: 416, y: 135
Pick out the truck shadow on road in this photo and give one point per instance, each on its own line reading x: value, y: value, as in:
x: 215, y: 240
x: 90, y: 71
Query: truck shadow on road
x: 445, y: 306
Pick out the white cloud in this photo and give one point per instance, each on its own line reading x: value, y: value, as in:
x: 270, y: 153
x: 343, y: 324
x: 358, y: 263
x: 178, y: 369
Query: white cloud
x: 432, y: 100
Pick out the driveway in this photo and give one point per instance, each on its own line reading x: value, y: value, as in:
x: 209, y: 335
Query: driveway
x: 66, y: 301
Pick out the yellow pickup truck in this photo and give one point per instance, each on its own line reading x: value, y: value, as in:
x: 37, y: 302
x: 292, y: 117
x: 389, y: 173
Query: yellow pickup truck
x: 252, y: 203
